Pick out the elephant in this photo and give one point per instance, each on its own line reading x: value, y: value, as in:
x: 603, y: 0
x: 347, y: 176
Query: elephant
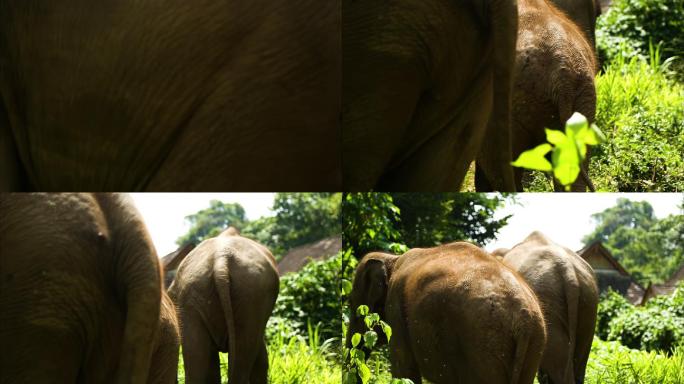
x: 567, y: 291
x: 554, y: 77
x: 458, y: 315
x: 421, y: 80
x: 225, y: 290
x: 206, y: 95
x: 81, y: 294
x: 583, y: 13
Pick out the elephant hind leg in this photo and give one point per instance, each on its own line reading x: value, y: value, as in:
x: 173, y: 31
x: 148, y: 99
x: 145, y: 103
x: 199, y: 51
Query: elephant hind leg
x: 260, y: 369
x: 200, y: 355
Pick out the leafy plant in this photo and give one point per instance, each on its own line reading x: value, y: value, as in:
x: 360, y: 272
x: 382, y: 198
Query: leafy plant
x: 356, y: 356
x: 568, y: 150
x: 309, y: 295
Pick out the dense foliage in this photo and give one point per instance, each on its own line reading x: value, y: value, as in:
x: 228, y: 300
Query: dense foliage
x: 211, y: 221
x: 641, y: 111
x: 628, y: 26
x: 656, y: 326
x: 388, y: 221
x: 309, y: 297
x: 299, y: 218
x: 651, y: 249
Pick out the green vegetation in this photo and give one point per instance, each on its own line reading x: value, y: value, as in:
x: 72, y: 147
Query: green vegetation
x: 629, y: 25
x: 394, y: 221
x: 651, y: 249
x: 567, y: 150
x: 355, y: 358
x: 309, y: 297
x: 299, y: 218
x: 641, y: 110
x: 293, y: 360
x: 657, y: 326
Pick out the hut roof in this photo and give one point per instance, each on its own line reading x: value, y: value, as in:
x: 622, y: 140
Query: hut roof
x: 299, y: 256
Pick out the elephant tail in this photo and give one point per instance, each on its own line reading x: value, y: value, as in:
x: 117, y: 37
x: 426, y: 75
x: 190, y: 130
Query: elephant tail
x: 222, y: 284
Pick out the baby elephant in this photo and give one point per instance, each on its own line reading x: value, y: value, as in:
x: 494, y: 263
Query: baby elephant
x: 458, y: 315
x: 225, y: 290
x: 567, y: 292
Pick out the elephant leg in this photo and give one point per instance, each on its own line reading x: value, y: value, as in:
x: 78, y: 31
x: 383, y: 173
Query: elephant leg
x: 260, y: 369
x: 200, y: 355
x: 404, y: 365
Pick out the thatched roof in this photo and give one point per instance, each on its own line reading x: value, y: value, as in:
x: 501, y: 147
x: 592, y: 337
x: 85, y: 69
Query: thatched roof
x: 666, y: 288
x: 297, y: 257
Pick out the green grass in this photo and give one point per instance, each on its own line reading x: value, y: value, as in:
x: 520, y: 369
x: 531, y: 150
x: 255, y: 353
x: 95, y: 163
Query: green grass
x: 609, y: 363
x: 292, y: 361
x: 640, y: 108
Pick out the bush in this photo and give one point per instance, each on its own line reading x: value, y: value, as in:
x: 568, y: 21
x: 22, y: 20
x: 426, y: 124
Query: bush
x: 309, y: 297
x: 629, y: 25
x: 611, y: 305
x: 657, y: 326
x: 641, y: 111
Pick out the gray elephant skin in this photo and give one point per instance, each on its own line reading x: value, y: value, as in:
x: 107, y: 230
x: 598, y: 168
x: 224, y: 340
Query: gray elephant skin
x: 225, y: 290
x: 421, y: 80
x: 81, y: 294
x: 566, y: 288
x: 583, y: 13
x: 458, y: 315
x: 554, y: 77
x: 208, y: 95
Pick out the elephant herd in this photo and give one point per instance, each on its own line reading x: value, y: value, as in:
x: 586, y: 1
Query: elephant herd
x: 83, y: 301
x: 461, y: 315
x: 286, y: 95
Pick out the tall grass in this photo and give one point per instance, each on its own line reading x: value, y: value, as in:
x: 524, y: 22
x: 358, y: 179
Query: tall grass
x: 609, y: 363
x: 293, y: 360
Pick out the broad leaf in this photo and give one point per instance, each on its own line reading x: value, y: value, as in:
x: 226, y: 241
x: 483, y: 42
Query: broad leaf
x: 534, y: 159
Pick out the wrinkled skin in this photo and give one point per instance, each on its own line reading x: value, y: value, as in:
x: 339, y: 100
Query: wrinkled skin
x: 583, y: 13
x: 164, y: 367
x: 225, y: 290
x: 165, y: 96
x: 554, y: 77
x: 457, y: 314
x: 80, y: 292
x: 567, y: 292
x: 421, y: 79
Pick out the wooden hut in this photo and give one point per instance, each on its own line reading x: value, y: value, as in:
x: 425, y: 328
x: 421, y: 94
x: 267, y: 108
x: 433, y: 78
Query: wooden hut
x: 609, y: 273
x: 666, y: 288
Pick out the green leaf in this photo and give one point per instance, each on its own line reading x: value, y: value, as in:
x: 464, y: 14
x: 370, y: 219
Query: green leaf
x: 346, y: 287
x: 357, y: 356
x: 534, y: 159
x: 362, y: 310
x: 364, y: 373
x: 566, y: 163
x: 386, y: 329
x: 356, y: 338
x: 349, y: 377
x: 369, y: 339
x: 554, y: 136
x: 575, y: 124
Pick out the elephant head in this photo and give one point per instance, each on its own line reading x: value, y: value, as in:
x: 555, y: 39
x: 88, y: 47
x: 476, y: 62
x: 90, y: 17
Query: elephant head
x: 371, y: 282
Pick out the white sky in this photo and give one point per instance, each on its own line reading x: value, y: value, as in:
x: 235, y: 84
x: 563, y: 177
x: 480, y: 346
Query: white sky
x: 566, y: 217
x: 164, y: 213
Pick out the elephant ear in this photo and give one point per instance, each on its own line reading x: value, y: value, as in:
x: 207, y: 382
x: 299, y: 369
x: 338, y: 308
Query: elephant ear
x: 377, y: 280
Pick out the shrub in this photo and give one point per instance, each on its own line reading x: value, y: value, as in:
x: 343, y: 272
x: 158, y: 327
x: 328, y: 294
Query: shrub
x: 629, y: 25
x: 310, y: 296
x: 641, y: 111
x: 611, y: 305
x: 657, y: 326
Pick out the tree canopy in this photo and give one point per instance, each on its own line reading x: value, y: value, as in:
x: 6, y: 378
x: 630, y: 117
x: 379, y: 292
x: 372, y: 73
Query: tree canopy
x: 651, y: 249
x: 299, y: 218
x: 396, y: 221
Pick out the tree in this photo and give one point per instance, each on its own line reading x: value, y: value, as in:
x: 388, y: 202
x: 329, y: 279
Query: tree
x: 429, y: 219
x: 302, y: 218
x: 381, y: 221
x: 651, y: 249
x: 211, y: 221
